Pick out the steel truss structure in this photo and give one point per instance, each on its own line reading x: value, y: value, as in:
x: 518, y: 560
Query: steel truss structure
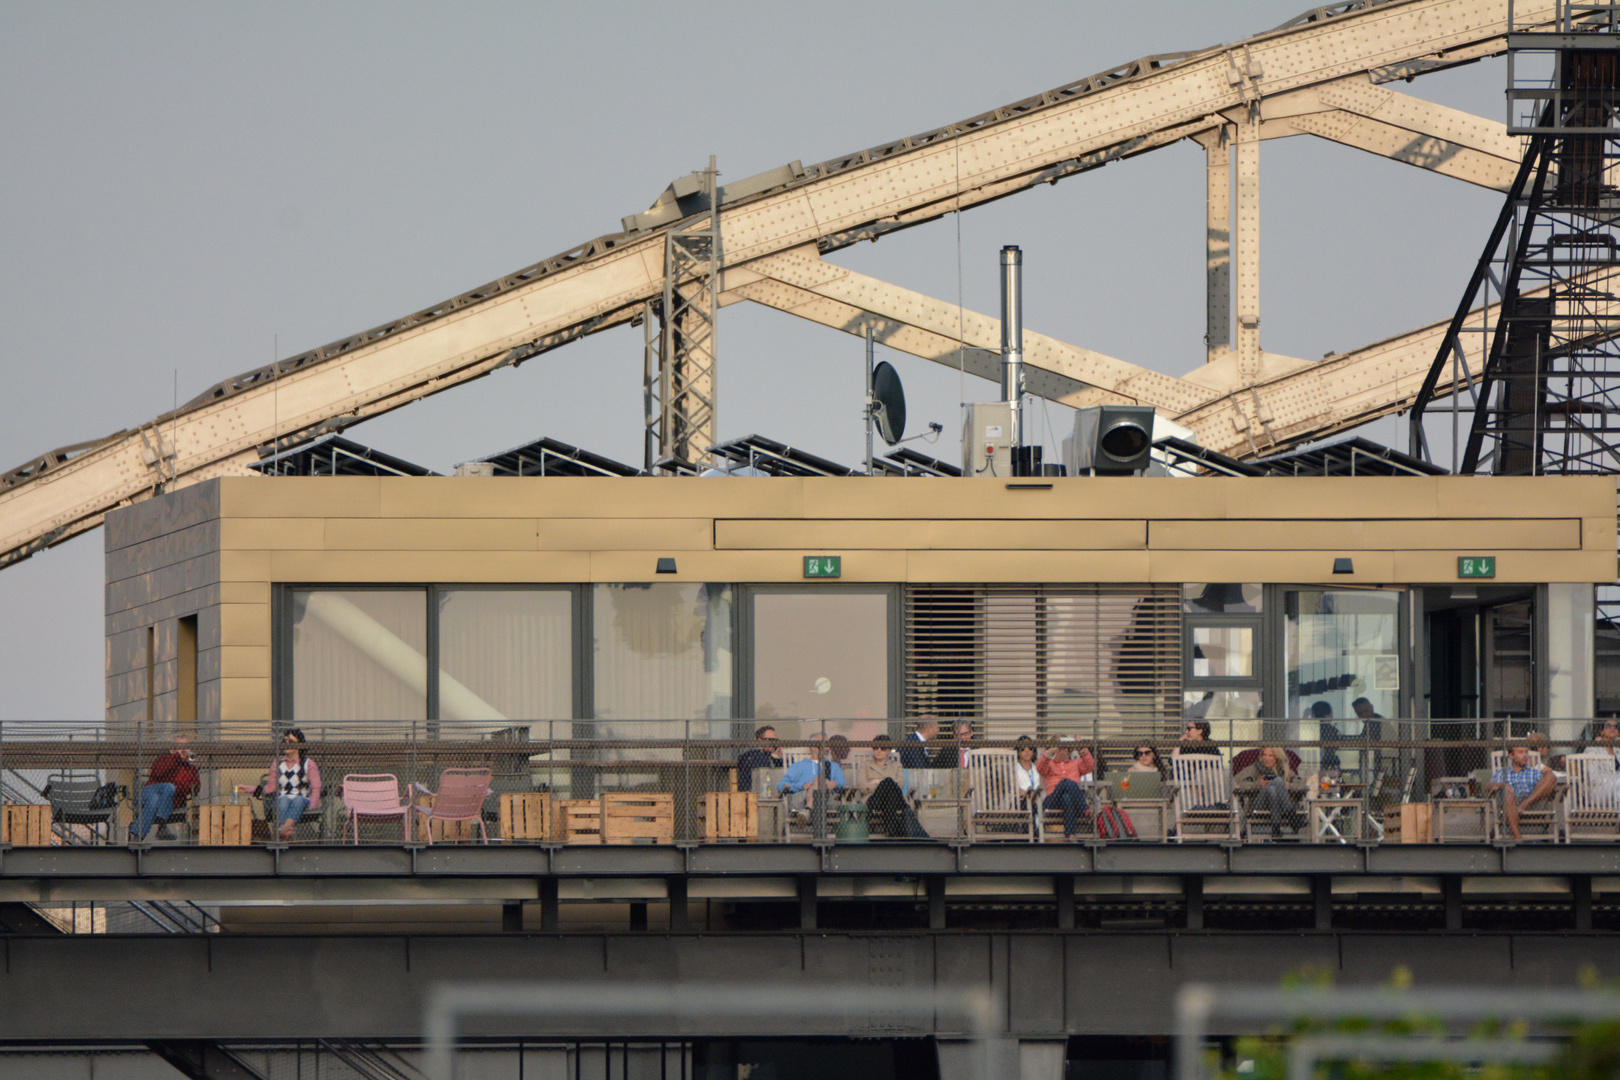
x: 1326, y: 73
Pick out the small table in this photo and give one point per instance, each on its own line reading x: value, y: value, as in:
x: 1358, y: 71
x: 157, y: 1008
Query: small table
x: 1337, y: 820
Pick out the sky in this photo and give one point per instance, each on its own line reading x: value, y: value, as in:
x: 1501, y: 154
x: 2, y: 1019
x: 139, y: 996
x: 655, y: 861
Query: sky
x: 191, y: 189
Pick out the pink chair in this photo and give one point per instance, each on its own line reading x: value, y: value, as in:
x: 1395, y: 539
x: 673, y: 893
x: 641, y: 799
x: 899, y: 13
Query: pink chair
x: 375, y: 795
x: 460, y: 797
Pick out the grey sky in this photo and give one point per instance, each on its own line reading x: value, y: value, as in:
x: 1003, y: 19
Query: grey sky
x: 185, y: 183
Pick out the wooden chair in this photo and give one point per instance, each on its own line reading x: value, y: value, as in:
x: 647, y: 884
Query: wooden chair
x: 995, y: 810
x: 1204, y: 797
x: 1541, y: 822
x: 1592, y: 800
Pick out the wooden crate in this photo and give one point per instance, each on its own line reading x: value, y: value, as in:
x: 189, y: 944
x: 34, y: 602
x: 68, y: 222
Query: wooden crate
x: 731, y: 815
x: 1408, y: 823
x: 525, y: 816
x: 628, y: 818
x: 224, y: 826
x: 579, y: 821
x: 26, y: 826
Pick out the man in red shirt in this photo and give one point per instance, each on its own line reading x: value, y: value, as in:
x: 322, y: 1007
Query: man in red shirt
x: 1063, y: 772
x: 169, y: 783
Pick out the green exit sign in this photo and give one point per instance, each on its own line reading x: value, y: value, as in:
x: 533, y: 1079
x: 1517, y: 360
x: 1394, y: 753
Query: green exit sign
x: 823, y: 565
x: 1476, y: 566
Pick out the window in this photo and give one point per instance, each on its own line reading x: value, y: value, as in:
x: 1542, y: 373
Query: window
x: 821, y: 652
x: 662, y: 651
x: 505, y: 654
x: 1342, y: 667
x: 1224, y: 654
x: 359, y: 654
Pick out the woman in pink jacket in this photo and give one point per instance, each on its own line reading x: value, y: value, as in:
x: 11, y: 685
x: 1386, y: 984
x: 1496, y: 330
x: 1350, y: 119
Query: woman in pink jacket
x: 295, y: 780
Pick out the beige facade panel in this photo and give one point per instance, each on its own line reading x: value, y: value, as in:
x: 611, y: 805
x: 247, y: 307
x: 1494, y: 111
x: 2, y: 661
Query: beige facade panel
x: 1305, y: 497
x: 1434, y: 567
x: 1096, y: 498
x: 244, y: 592
x: 244, y: 566
x: 1028, y: 566
x: 1485, y: 535
x: 278, y: 533
x: 832, y: 533
x: 761, y: 566
x: 584, y: 497
x: 244, y: 699
x: 430, y: 534
x: 244, y: 661
x: 1526, y: 496
x: 628, y: 534
x: 424, y: 566
x: 1598, y: 534
x: 287, y: 496
x: 244, y: 624
x: 1302, y: 567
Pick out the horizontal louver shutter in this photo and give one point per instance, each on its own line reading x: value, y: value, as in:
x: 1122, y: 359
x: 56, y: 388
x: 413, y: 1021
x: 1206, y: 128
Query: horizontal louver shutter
x: 1055, y: 657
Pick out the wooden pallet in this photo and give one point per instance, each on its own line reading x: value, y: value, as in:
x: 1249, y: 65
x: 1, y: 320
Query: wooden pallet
x: 579, y: 821
x: 627, y: 818
x: 730, y: 815
x: 224, y: 826
x: 26, y: 826
x: 525, y: 816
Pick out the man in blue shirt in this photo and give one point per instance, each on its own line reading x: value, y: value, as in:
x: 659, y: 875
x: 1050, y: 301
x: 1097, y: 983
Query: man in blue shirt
x: 808, y: 781
x: 1522, y: 785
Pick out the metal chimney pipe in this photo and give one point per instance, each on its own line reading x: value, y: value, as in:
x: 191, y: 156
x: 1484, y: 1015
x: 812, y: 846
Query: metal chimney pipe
x: 1012, y: 339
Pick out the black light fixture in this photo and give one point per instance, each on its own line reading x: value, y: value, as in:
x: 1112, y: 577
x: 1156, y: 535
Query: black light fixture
x: 666, y: 564
x: 1343, y: 565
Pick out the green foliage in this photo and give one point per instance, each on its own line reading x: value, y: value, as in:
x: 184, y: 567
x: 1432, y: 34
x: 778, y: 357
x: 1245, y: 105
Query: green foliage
x: 1592, y: 1050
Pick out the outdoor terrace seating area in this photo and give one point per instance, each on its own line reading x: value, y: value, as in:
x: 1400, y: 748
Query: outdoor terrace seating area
x: 661, y: 782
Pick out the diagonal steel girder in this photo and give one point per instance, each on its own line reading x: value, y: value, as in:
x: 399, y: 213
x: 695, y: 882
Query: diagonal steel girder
x: 606, y: 282
x: 1292, y: 400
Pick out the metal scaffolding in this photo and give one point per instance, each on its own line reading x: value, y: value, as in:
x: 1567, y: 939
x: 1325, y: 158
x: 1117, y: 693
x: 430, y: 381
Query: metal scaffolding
x: 680, y: 372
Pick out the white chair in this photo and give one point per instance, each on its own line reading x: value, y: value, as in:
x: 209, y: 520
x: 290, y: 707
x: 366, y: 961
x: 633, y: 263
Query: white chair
x: 997, y: 813
x: 1592, y: 801
x: 1204, y: 797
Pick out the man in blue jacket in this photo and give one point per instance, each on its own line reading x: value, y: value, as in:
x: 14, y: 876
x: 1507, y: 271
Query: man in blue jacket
x: 809, y: 781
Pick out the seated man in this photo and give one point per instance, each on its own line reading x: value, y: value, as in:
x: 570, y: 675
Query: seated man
x: 808, y: 781
x: 881, y: 784
x: 1063, y: 773
x: 915, y: 754
x: 1273, y: 785
x: 170, y: 782
x: 763, y: 756
x: 1195, y: 740
x: 1522, y: 785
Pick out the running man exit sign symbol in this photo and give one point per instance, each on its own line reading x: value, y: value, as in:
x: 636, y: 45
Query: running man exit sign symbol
x: 823, y: 565
x: 1476, y: 566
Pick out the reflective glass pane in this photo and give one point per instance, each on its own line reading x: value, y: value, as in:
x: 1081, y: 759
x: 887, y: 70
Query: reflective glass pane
x: 1213, y: 705
x: 1342, y: 660
x: 821, y: 654
x: 662, y: 651
x: 506, y: 654
x: 359, y: 654
x: 1221, y: 599
x: 1222, y: 652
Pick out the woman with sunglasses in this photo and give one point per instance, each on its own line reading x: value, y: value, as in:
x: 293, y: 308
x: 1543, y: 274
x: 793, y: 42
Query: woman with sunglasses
x: 1146, y: 759
x: 295, y: 780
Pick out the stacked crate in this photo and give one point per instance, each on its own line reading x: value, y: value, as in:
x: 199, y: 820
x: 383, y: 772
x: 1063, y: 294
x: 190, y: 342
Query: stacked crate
x: 730, y: 815
x: 632, y: 818
x: 579, y: 821
x: 224, y: 826
x: 26, y: 826
x: 526, y: 816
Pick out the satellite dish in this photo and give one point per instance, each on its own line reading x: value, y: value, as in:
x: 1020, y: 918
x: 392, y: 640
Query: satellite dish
x: 888, y: 403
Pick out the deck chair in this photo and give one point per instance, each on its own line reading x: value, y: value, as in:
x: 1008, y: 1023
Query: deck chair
x: 1592, y: 800
x: 1203, y: 807
x: 996, y: 811
x: 375, y: 795
x: 460, y: 797
x: 1541, y: 822
x: 70, y: 799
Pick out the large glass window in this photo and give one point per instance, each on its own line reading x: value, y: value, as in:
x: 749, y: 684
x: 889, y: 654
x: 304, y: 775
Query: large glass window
x: 1342, y: 657
x: 1223, y: 652
x: 662, y: 651
x: 821, y: 653
x: 505, y: 654
x: 359, y: 654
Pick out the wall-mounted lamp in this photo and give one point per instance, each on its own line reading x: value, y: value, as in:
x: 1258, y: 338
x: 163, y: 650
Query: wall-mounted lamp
x: 666, y: 564
x: 1342, y: 565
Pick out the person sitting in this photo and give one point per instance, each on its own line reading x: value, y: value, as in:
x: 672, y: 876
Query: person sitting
x: 966, y: 737
x: 762, y: 756
x: 1522, y: 785
x: 915, y: 754
x: 170, y: 782
x: 1606, y: 740
x: 880, y: 783
x: 808, y: 781
x: 1146, y: 759
x: 1328, y: 733
x: 295, y: 780
x: 1195, y: 740
x: 1272, y: 785
x: 1027, y: 775
x: 1063, y: 774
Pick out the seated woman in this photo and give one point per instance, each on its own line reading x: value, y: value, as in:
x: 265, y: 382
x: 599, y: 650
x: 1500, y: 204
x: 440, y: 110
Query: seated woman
x: 1030, y: 787
x: 1146, y: 759
x: 1063, y: 773
x: 295, y: 780
x: 881, y: 784
x: 1273, y: 784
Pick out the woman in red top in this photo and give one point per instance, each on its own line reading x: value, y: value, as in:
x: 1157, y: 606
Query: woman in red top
x: 1063, y: 772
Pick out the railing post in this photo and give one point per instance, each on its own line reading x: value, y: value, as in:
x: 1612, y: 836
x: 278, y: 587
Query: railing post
x: 688, y: 812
